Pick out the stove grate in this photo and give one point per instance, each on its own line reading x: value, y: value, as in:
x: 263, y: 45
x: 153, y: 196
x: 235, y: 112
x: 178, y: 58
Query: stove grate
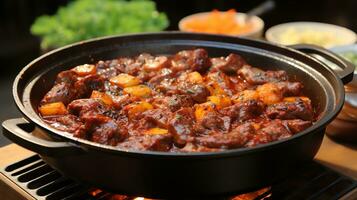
x: 313, y: 181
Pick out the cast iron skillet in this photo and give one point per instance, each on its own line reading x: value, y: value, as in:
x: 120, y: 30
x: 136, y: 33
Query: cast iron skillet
x: 162, y: 174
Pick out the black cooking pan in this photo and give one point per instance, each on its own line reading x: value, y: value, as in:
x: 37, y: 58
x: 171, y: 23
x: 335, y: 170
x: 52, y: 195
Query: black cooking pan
x: 162, y: 174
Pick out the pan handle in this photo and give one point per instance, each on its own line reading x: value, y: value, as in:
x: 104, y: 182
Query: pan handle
x: 347, y: 68
x: 19, y: 131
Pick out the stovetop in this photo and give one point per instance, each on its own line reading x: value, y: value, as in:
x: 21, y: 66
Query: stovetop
x: 33, y: 178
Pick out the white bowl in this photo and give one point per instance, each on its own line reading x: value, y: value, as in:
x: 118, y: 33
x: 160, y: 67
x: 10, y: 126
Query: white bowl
x: 257, y: 22
x: 326, y: 35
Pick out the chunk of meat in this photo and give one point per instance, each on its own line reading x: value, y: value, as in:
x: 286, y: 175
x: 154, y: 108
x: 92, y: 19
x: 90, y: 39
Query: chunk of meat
x: 181, y: 126
x: 229, y: 64
x: 159, y: 117
x: 110, y: 68
x: 270, y: 131
x: 291, y: 110
x: 109, y: 72
x: 244, y: 111
x: 290, y: 88
x: 122, y: 100
x: 86, y: 85
x: 197, y: 92
x: 66, y: 90
x: 164, y: 73
x: 174, y: 102
x: 156, y: 63
x: 167, y: 86
x: 297, y: 125
x: 90, y: 107
x: 101, y: 129
x: 195, y: 60
x: 257, y: 76
x: 275, y: 129
x: 131, y: 66
x: 68, y: 123
x: 61, y: 92
x: 67, y: 76
x: 238, y: 137
x: 158, y: 142
x: 214, y: 121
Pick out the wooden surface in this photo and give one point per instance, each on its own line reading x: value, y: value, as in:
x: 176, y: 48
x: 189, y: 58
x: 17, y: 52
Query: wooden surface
x: 340, y: 157
x: 12, y: 153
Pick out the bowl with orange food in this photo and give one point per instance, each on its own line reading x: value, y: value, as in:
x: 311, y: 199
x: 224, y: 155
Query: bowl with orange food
x: 223, y: 22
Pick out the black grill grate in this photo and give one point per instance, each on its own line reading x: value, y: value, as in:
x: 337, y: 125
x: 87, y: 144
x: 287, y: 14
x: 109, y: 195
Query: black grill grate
x: 313, y: 181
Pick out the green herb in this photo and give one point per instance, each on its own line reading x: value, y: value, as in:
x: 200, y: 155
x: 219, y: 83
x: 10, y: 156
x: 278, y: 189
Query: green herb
x: 190, y: 91
x: 172, y: 102
x: 178, y: 116
x: 84, y: 19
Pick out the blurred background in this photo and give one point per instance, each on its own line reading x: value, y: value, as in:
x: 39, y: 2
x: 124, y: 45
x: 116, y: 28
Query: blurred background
x: 19, y: 46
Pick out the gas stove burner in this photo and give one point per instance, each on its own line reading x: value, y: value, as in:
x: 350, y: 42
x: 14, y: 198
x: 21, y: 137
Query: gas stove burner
x: 39, y: 181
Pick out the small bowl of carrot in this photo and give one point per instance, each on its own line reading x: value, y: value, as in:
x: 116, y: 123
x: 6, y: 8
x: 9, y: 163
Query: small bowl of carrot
x: 223, y: 22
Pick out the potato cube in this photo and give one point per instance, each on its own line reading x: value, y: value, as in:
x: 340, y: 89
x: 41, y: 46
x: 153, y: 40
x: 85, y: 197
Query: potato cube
x: 156, y: 131
x: 246, y: 95
x: 270, y: 93
x: 102, y: 96
x: 293, y: 99
x: 220, y: 101
x: 202, y: 109
x: 194, y: 77
x: 56, y: 108
x: 138, y: 91
x: 124, y: 80
x: 137, y: 107
x: 84, y: 70
x: 214, y: 89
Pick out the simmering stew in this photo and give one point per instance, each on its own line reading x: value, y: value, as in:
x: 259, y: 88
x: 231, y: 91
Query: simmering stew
x: 187, y: 102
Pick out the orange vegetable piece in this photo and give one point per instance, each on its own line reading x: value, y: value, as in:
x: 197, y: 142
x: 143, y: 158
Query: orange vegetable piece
x: 270, y: 93
x: 214, y: 88
x: 293, y: 99
x: 138, y: 91
x: 125, y: 80
x: 137, y: 107
x: 194, y: 77
x: 56, y: 108
x: 202, y: 109
x: 217, y: 22
x: 102, y: 96
x: 220, y: 101
x: 156, y: 131
x: 246, y: 95
x: 84, y: 70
